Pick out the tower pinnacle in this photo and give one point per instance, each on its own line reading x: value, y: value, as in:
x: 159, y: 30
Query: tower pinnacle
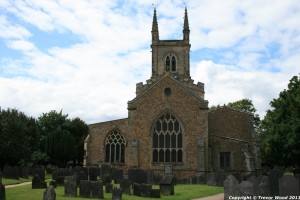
x: 155, y: 35
x: 186, y: 28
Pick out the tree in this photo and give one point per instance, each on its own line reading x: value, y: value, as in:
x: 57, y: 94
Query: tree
x: 280, y: 138
x: 16, y: 137
x: 247, y: 105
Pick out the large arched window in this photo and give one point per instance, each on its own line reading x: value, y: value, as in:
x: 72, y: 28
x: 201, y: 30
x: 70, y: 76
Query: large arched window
x: 170, y: 63
x: 167, y: 140
x: 115, y: 147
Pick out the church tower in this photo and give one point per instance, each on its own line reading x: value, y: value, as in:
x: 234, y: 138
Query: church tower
x: 171, y: 56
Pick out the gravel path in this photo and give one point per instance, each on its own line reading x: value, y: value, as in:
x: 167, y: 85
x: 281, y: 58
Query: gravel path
x: 17, y: 185
x: 214, y: 197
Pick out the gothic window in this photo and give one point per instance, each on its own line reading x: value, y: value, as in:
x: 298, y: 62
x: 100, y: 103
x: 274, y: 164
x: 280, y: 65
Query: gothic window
x: 167, y: 140
x: 171, y: 63
x: 225, y: 160
x: 115, y: 147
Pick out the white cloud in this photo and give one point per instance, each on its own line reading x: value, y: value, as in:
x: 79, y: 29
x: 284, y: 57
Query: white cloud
x: 258, y: 42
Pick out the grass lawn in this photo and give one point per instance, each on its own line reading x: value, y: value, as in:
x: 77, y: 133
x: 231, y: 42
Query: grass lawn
x: 182, y: 192
x: 14, y: 181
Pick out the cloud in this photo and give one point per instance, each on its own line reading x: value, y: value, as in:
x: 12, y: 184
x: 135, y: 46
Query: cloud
x: 240, y: 49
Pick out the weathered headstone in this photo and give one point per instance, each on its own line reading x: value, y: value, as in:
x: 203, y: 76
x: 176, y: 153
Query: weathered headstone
x: 238, y: 176
x: 49, y: 193
x: 125, y: 185
x: 108, y: 187
x: 36, y: 182
x: 146, y: 189
x: 166, y: 185
x: 220, y: 177
x: 155, y: 193
x: 80, y: 176
x: 211, y: 179
x: 231, y: 187
x: 97, y: 189
x: 264, y: 186
x: 137, y: 175
x: 117, y: 175
x: 85, y: 189
x: 288, y: 186
x: 59, y: 174
x: 246, y: 188
x: 105, y: 169
x: 40, y: 172
x: 274, y: 176
x: 137, y: 189
x: 255, y: 181
x: 93, y: 173
x: 156, y: 178
x: 106, y: 178
x: 70, y: 184
x: 116, y: 194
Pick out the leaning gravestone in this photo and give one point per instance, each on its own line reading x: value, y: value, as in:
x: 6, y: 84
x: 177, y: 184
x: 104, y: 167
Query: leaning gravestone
x: 125, y: 186
x: 288, y: 186
x: 246, y: 188
x: 116, y: 194
x: 85, y: 189
x: 70, y: 185
x: 264, y: 186
x: 231, y: 187
x: 274, y: 176
x: 97, y: 189
x: 93, y: 173
x: 254, y: 180
x: 49, y: 193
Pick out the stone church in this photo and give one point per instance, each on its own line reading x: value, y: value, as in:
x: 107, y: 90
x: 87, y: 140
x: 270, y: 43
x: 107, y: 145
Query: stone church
x: 170, y: 128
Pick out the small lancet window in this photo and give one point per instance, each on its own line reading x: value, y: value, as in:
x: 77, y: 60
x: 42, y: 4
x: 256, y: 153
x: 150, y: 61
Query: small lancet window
x: 167, y: 63
x: 173, y: 64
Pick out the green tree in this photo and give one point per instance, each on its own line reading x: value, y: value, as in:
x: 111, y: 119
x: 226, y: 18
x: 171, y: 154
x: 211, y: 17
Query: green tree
x: 16, y: 137
x: 247, y: 105
x: 79, y: 130
x: 280, y: 138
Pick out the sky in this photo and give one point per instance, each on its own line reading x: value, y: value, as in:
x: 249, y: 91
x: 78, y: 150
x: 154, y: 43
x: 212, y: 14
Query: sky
x: 85, y: 56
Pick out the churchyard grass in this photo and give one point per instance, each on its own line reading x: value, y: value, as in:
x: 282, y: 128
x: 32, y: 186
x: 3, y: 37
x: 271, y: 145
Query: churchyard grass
x: 182, y: 192
x: 14, y: 181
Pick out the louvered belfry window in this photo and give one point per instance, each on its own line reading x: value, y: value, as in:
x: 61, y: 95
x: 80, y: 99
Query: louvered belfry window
x: 167, y: 140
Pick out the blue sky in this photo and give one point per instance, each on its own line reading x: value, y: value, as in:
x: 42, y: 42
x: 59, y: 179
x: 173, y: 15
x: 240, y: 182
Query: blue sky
x: 85, y: 57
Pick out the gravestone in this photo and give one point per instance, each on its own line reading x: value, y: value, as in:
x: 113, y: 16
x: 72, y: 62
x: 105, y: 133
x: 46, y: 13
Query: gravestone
x: 166, y: 185
x: 105, y: 169
x: 81, y: 176
x: 93, y: 173
x: 246, y: 188
x: 106, y: 178
x: 125, y: 185
x: 53, y: 183
x: 117, y: 175
x: 274, y: 176
x: 59, y: 174
x: 108, y: 187
x: 254, y: 180
x: 2, y: 189
x: 220, y: 177
x: 137, y: 175
x: 288, y: 186
x: 211, y: 179
x: 264, y: 186
x: 238, y: 176
x: 231, y: 187
x: 49, y: 193
x: 156, y: 178
x: 137, y: 189
x: 40, y: 172
x: 70, y: 185
x: 85, y: 189
x: 116, y: 194
x: 155, y: 193
x: 97, y: 189
x: 36, y: 182
x: 146, y: 188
